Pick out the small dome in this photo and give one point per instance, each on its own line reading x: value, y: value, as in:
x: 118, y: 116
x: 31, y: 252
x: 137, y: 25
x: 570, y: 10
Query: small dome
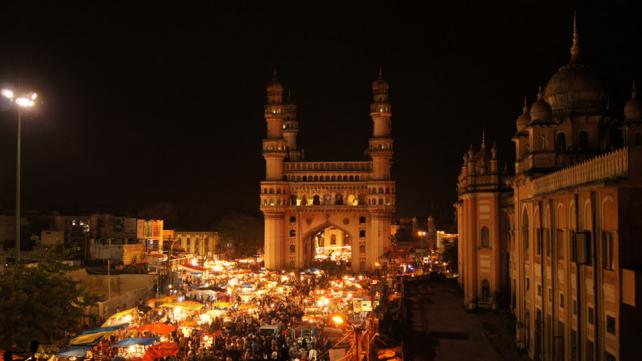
x: 633, y: 108
x: 524, y: 118
x: 575, y: 88
x: 540, y: 110
x: 380, y: 83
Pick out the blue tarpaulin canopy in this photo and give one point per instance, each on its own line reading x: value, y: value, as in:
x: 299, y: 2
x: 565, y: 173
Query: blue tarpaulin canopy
x: 73, y: 351
x: 105, y: 329
x: 145, y: 341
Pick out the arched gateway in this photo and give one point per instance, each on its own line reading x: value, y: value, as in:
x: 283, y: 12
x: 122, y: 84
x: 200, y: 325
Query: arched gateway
x: 350, y: 204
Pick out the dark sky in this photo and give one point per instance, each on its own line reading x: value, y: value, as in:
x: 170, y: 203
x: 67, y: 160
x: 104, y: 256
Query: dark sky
x: 165, y: 103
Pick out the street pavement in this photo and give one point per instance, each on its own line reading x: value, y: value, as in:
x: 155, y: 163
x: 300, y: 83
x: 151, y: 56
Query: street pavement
x: 437, y: 327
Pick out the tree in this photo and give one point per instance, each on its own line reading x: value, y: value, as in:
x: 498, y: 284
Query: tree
x: 243, y: 231
x: 39, y: 302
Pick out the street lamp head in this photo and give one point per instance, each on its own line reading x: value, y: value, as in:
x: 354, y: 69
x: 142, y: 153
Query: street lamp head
x: 7, y: 93
x: 24, y: 102
x: 338, y: 320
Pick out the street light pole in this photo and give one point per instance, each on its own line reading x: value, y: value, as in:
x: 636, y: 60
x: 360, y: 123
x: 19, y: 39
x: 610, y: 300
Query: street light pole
x: 18, y: 186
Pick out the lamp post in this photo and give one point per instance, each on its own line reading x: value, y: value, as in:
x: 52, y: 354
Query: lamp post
x: 339, y: 321
x: 22, y: 102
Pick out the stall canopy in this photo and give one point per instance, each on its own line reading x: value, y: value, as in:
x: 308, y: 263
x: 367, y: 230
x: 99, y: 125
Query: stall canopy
x: 120, y: 318
x: 105, y: 329
x: 190, y: 305
x: 145, y: 341
x: 160, y: 350
x: 88, y: 339
x: 157, y: 328
x: 190, y: 268
x: 73, y: 351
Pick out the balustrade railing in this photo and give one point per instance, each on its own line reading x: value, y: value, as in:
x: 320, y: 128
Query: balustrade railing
x: 606, y: 166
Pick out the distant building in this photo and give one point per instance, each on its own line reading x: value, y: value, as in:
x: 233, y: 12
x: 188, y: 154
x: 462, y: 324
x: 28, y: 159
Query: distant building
x: 559, y: 242
x: 199, y: 243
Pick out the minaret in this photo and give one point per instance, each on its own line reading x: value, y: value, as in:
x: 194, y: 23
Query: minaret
x: 274, y: 189
x: 291, y: 128
x: 381, y: 189
x: 380, y: 143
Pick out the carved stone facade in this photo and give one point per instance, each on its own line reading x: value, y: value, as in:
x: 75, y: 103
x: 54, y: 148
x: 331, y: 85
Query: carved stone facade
x: 568, y: 259
x: 301, y: 198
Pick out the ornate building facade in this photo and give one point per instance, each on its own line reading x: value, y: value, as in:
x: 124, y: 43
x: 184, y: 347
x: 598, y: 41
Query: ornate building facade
x: 300, y: 199
x: 558, y: 242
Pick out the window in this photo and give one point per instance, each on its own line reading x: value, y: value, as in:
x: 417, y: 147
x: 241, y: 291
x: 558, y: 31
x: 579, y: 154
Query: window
x: 539, y: 290
x: 293, y: 219
x: 333, y: 239
x: 573, y: 247
x: 560, y: 143
x: 485, y: 237
x: 575, y: 307
x: 362, y: 220
x: 589, y: 350
x: 538, y: 242
x: 610, y: 324
x: 292, y: 248
x: 362, y: 248
x: 362, y: 233
x: 561, y: 300
x: 292, y: 233
x: 607, y: 250
x: 316, y: 200
x: 528, y: 284
x: 485, y: 290
x: 591, y: 315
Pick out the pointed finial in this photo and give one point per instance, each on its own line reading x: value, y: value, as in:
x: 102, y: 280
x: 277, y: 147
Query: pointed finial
x: 380, y: 71
x: 525, y: 108
x: 483, y: 143
x: 539, y: 93
x: 634, y: 92
x: 575, y: 47
x: 274, y: 74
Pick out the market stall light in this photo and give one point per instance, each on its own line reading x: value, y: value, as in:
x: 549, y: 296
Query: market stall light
x: 338, y: 320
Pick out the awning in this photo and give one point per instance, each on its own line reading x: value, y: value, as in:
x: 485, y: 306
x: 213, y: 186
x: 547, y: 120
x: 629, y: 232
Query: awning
x: 88, y: 339
x: 157, y: 328
x: 120, y: 318
x: 73, y: 351
x: 160, y: 350
x: 104, y: 329
x: 191, y: 305
x: 145, y: 341
x: 190, y: 268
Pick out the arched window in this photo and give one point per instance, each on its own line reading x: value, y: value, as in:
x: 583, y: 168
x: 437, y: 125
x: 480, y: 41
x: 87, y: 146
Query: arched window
x: 333, y: 239
x: 362, y: 220
x: 293, y: 219
x: 316, y: 200
x: 560, y: 142
x: 292, y: 233
x: 583, y: 141
x: 380, y: 190
x: 485, y: 237
x: 381, y: 201
x: 362, y: 233
x: 338, y: 199
x: 305, y: 178
x: 543, y: 143
x: 351, y: 178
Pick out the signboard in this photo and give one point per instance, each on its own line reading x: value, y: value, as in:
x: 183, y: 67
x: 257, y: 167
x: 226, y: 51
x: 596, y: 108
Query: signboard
x: 361, y: 306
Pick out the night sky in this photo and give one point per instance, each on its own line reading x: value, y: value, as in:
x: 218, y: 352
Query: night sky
x: 165, y: 103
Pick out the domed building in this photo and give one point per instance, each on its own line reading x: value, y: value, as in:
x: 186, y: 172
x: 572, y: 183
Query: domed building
x: 557, y: 242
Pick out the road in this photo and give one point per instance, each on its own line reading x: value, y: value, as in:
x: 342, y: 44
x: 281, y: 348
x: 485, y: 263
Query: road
x: 437, y: 327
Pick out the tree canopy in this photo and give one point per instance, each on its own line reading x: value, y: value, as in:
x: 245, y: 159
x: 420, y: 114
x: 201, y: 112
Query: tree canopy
x: 39, y: 302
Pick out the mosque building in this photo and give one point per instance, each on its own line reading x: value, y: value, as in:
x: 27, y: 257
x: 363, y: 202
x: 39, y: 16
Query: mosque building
x: 558, y: 240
